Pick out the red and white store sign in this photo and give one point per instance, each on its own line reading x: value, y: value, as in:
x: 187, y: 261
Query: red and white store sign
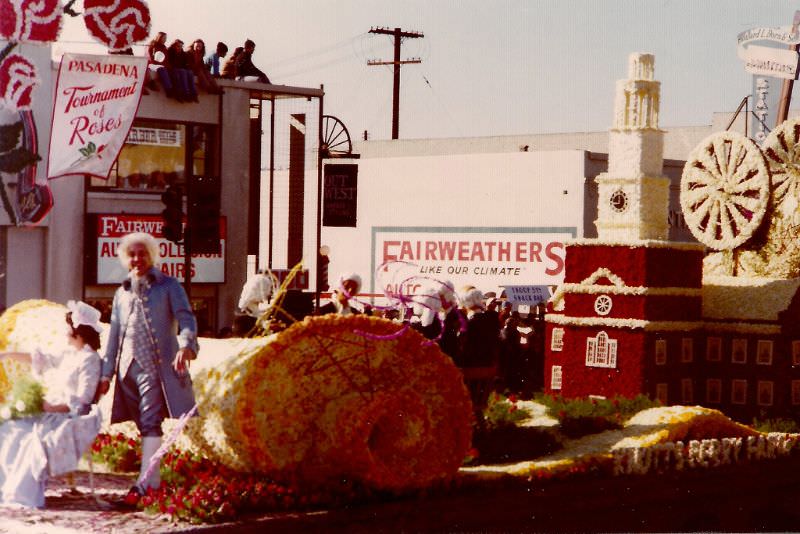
x: 205, y: 268
x: 487, y: 258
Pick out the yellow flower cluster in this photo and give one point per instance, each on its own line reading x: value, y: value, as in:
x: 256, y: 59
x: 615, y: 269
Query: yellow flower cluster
x: 24, y: 327
x: 332, y: 396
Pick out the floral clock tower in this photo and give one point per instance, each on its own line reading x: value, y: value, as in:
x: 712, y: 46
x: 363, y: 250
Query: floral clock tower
x: 627, y: 292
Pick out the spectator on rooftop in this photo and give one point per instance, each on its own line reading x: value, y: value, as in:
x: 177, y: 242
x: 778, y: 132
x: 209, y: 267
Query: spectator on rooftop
x: 213, y: 61
x: 182, y: 76
x: 229, y: 68
x: 244, y: 65
x: 157, y: 53
x: 195, y: 54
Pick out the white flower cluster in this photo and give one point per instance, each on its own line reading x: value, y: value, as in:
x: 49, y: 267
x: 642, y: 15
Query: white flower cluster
x: 706, y: 453
x: 725, y: 176
x: 6, y: 410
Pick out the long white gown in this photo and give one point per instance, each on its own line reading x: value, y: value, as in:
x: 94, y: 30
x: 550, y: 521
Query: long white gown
x: 51, y: 444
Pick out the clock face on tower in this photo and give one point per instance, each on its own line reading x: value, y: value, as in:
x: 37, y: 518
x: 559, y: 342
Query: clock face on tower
x: 618, y: 201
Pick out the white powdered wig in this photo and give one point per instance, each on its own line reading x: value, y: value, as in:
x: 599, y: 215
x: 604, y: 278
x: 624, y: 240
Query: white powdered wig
x: 137, y: 238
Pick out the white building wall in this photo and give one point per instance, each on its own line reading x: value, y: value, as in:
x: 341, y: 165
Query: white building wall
x: 523, y: 190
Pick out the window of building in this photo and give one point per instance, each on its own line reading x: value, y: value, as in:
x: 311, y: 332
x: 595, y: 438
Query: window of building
x: 555, y: 377
x: 764, y: 352
x: 557, y: 340
x: 158, y: 154
x: 687, y: 349
x: 687, y: 390
x: 601, y: 351
x: 738, y: 391
x: 714, y: 349
x: 714, y: 390
x: 764, y: 393
x: 739, y: 351
x: 661, y: 393
x: 795, y: 392
x: 796, y: 352
x: 661, y: 351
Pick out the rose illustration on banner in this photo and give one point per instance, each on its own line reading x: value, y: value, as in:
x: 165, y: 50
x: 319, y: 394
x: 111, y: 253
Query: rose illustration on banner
x: 17, y: 80
x: 117, y: 23
x: 30, y: 20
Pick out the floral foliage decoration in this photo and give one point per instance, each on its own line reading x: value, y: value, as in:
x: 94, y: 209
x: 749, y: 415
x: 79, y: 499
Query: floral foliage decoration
x: 24, y: 400
x: 326, y: 398
x: 117, y: 23
x: 118, y: 452
x: 502, y: 411
x: 30, y: 20
x: 197, y: 490
x: 17, y: 81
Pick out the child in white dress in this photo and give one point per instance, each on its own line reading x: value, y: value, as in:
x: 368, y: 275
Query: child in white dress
x: 53, y: 442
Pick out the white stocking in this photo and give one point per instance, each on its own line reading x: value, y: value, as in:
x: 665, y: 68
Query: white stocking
x: 150, y: 445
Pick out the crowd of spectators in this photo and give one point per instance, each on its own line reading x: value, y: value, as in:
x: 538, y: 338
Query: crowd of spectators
x: 181, y: 70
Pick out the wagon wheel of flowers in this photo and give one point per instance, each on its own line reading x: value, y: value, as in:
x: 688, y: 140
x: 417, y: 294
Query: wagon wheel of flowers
x: 782, y: 150
x: 725, y: 190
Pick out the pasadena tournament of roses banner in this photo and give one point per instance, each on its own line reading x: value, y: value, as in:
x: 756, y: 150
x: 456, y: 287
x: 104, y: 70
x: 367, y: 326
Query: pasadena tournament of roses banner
x: 95, y: 103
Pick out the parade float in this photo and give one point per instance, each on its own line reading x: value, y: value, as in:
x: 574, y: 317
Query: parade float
x: 328, y: 398
x: 710, y: 323
x: 362, y: 399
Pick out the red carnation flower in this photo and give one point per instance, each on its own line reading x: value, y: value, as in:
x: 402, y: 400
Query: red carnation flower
x: 117, y: 23
x: 30, y: 20
x: 17, y: 80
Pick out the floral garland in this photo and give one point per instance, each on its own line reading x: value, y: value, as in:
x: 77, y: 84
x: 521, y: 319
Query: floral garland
x: 589, y: 287
x: 634, y: 243
x: 117, y: 23
x: 36, y: 21
x: 667, y: 326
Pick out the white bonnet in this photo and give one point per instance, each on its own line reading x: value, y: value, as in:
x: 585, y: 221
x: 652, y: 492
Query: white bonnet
x: 353, y: 277
x: 83, y: 314
x: 472, y: 298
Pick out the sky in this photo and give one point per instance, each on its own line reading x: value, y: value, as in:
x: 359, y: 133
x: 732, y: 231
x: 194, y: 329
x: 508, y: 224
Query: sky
x: 489, y: 67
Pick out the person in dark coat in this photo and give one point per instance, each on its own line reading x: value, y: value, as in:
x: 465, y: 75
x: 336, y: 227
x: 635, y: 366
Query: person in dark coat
x: 244, y: 64
x: 479, y: 350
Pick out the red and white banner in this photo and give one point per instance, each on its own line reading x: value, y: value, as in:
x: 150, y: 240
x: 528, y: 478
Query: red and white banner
x: 95, y: 103
x: 488, y: 259
x: 205, y: 268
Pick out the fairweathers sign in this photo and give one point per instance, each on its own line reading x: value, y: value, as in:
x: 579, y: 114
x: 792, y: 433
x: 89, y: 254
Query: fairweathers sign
x: 96, y: 100
x: 486, y: 258
x: 109, y: 229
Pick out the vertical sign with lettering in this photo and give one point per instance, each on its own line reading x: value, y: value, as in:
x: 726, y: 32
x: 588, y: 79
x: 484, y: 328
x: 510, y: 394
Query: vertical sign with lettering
x: 340, y: 190
x: 95, y: 102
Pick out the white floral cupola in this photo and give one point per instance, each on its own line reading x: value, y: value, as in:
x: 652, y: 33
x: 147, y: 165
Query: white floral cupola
x: 633, y: 196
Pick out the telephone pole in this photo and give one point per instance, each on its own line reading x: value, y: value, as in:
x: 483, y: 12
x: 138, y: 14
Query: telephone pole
x: 398, y: 37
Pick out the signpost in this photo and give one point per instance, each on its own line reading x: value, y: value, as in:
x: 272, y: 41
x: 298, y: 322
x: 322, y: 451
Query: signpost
x: 773, y: 62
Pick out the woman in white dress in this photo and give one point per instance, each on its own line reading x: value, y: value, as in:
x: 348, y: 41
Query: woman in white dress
x: 31, y: 448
